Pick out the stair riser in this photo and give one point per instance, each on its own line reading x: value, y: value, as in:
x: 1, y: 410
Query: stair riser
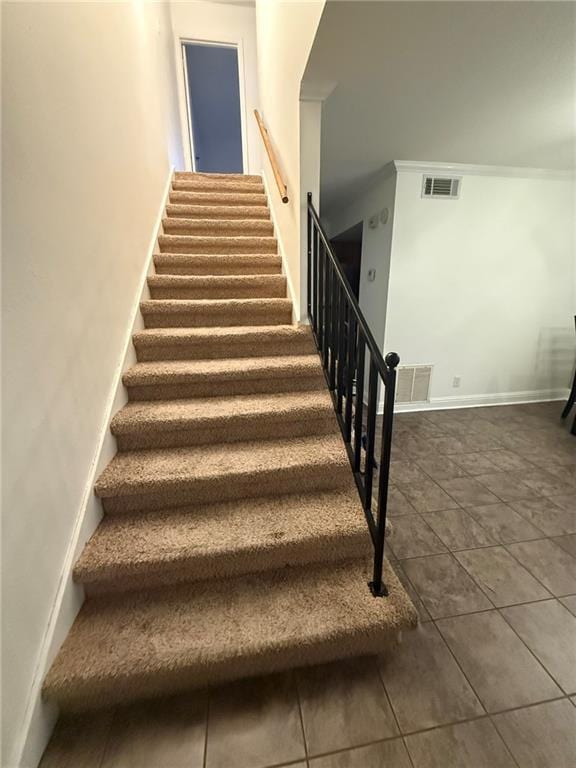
x: 245, y: 178
x: 216, y: 228
x: 86, y: 696
x: 216, y: 245
x: 218, y: 199
x: 215, y: 388
x: 278, y: 555
x: 220, y: 266
x: 269, y: 291
x: 303, y: 479
x: 213, y: 185
x: 215, y: 351
x: 227, y: 431
x: 258, y: 212
x: 207, y: 319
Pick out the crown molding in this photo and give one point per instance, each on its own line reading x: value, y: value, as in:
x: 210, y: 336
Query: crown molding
x: 472, y: 169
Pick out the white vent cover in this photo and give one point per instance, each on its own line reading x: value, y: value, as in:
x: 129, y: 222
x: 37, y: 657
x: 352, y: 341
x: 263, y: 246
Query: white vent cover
x: 441, y: 186
x: 413, y: 383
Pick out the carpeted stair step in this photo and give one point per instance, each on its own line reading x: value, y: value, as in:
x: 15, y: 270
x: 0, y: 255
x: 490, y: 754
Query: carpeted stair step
x: 238, y: 187
x: 223, y: 540
x: 127, y: 647
x: 218, y: 211
x: 176, y: 423
x: 196, y: 175
x: 218, y: 227
x: 156, y: 479
x: 227, y: 342
x: 194, y: 313
x: 204, y: 244
x: 217, y: 287
x: 210, y: 264
x: 218, y: 198
x: 175, y: 379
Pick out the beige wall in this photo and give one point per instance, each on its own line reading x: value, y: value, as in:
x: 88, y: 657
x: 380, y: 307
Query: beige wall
x: 285, y: 33
x: 90, y: 132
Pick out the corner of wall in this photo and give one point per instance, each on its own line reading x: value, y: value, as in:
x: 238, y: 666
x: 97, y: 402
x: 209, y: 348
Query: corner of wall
x: 40, y: 715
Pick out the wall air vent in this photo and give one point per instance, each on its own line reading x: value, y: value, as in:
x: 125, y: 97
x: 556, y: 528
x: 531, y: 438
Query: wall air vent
x: 441, y: 186
x: 413, y: 383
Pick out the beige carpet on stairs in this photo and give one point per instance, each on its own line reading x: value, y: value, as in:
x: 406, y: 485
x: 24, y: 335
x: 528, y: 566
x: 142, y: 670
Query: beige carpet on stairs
x: 233, y: 541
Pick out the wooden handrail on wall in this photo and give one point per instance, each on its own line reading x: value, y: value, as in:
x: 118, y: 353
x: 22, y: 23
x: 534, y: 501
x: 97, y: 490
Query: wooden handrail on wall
x: 272, y: 157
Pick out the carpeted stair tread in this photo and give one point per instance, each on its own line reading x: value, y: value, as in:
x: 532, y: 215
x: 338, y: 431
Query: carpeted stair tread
x: 222, y: 342
x: 146, y: 644
x: 205, y: 184
x: 215, y: 312
x: 183, y: 175
x: 218, y: 198
x: 137, y: 472
x: 223, y: 540
x: 204, y: 244
x: 226, y: 212
x: 218, y: 412
x: 217, y: 287
x: 186, y: 371
x: 219, y: 227
x: 217, y: 264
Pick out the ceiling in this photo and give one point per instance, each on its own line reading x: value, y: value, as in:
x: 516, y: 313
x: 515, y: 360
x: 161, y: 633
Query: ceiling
x: 463, y: 82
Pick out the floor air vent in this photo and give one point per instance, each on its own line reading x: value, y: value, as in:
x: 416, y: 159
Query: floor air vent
x: 413, y: 383
x: 440, y: 186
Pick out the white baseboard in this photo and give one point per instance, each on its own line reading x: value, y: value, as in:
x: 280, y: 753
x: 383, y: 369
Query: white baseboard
x: 281, y: 251
x: 476, y: 401
x: 40, y: 716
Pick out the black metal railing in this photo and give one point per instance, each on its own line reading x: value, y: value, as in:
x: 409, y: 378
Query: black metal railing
x: 350, y: 357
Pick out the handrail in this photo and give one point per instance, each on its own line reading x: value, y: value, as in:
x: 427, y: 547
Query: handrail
x: 282, y: 188
x: 343, y: 338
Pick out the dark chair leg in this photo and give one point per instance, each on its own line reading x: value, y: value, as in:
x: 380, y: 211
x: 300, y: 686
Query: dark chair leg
x: 571, y: 400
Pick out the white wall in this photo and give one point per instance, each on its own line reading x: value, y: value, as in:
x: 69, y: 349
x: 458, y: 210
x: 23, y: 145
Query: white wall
x: 484, y: 287
x: 285, y: 33
x: 89, y: 135
x: 376, y: 247
x: 222, y: 23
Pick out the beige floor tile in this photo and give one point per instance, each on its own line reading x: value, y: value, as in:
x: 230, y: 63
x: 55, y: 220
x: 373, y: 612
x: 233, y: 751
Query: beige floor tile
x: 507, y: 461
x: 549, y: 630
x: 547, y: 515
x: 160, y: 733
x: 506, y: 486
x: 344, y: 705
x: 551, y: 564
x: 500, y: 576
x: 504, y: 524
x: 501, y: 669
x: 398, y: 504
x: 570, y: 603
x: 458, y: 530
x: 78, y: 742
x: 425, y: 685
x: 428, y: 497
x: 405, y: 473
x: 544, y: 483
x: 257, y: 721
x: 444, y: 586
x: 568, y: 543
x: 543, y: 736
x: 440, y: 467
x: 412, y: 537
x: 467, y: 745
x: 567, y: 502
x: 423, y: 614
x: 468, y: 492
x: 385, y: 754
x: 475, y: 463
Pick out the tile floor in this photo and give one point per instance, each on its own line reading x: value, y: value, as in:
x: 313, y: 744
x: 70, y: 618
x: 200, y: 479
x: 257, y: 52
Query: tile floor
x: 484, y: 511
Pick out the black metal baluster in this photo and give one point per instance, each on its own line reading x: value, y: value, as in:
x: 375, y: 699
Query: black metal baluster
x: 321, y: 301
x: 315, y: 278
x: 309, y: 273
x: 359, y: 402
x: 370, y: 434
x: 329, y: 311
x: 342, y: 341
x: 377, y: 586
x: 335, y: 316
x: 350, y: 370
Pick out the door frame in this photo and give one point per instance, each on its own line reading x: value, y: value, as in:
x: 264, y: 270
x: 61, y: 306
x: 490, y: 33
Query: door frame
x: 183, y: 96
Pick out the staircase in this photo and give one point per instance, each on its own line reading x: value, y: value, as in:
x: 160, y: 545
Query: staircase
x: 233, y: 542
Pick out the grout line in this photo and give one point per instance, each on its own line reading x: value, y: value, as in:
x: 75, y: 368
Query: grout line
x: 108, y: 738
x: 205, y: 760
x: 389, y: 700
x: 298, y: 699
